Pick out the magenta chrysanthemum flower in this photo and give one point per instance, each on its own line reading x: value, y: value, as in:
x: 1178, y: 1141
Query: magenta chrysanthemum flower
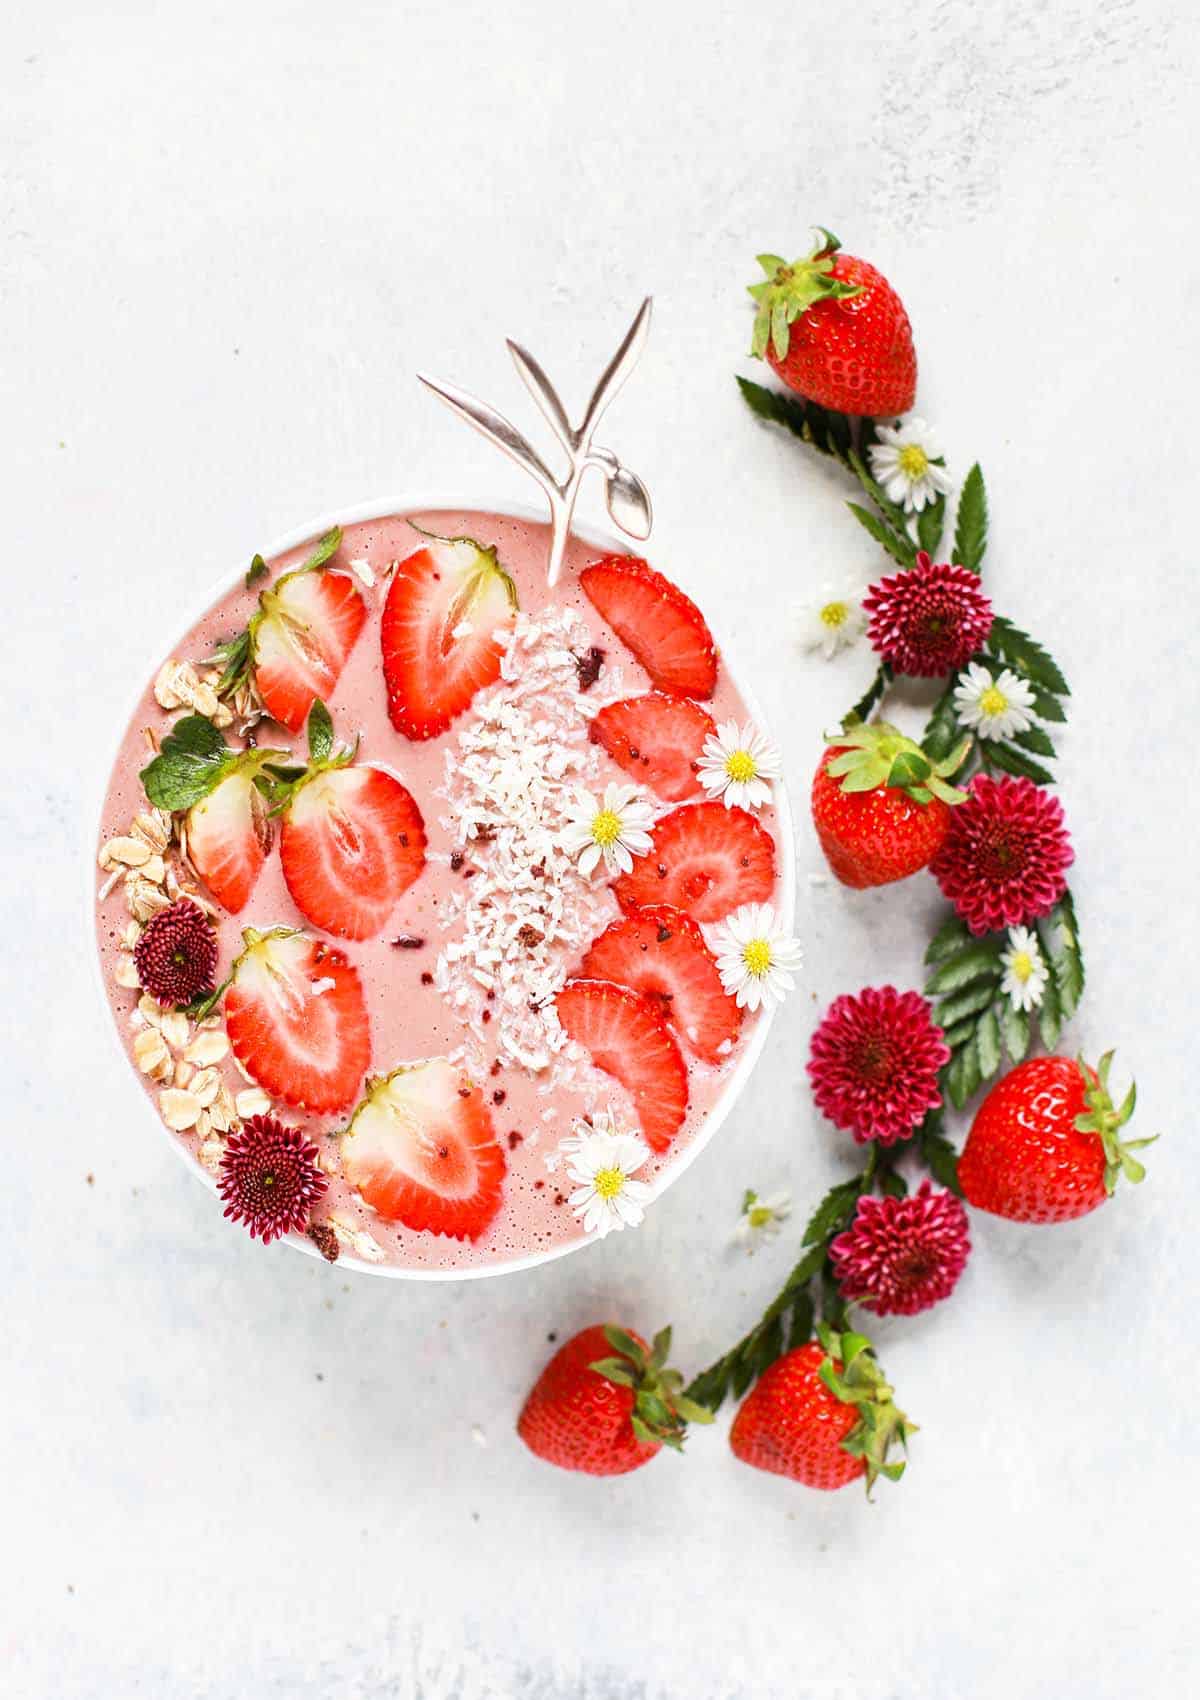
x: 929, y: 620
x: 176, y: 956
x: 901, y: 1255
x: 1005, y: 857
x: 269, y: 1178
x: 874, y: 1063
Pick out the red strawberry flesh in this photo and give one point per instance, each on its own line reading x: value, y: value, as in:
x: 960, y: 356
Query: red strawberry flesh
x: 628, y: 1039
x: 302, y: 636
x: 706, y: 859
x: 658, y: 740
x: 661, y: 953
x: 297, y: 1020
x: 351, y: 843
x: 421, y: 1150
x: 655, y: 621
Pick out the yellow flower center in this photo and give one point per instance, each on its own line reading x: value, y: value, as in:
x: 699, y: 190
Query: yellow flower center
x: 993, y: 701
x: 757, y: 957
x: 608, y: 1182
x: 835, y: 614
x: 760, y: 1215
x: 606, y: 828
x: 741, y: 766
x: 1021, y: 966
x: 914, y: 462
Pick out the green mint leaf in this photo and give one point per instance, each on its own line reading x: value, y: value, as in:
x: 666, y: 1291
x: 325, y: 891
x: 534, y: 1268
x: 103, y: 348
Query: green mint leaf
x: 189, y: 765
x: 971, y: 521
x: 320, y: 732
x: 256, y: 570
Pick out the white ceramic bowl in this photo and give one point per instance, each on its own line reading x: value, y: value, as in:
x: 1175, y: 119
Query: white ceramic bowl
x: 607, y: 544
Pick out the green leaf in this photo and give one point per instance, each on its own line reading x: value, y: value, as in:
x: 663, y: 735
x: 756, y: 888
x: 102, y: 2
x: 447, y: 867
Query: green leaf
x: 1047, y: 706
x: 325, y: 550
x: 768, y: 1346
x: 1035, y: 739
x: 1049, y: 1015
x: 962, y: 1076
x: 188, y: 766
x: 978, y: 960
x: 959, y: 1033
x: 893, y: 515
x: 871, y: 695
x: 942, y: 728
x: 1025, y: 656
x: 833, y: 1212
x: 803, y: 1317
x: 987, y: 1044
x: 235, y: 658
x: 893, y: 1184
x: 937, y: 1153
x: 971, y: 521
x: 828, y: 433
x: 256, y: 570
x: 931, y: 522
x: 619, y: 1370
x: 900, y: 549
x: 1015, y: 762
x: 1059, y: 934
x: 1014, y: 1028
x: 320, y: 732
x: 624, y: 1343
x: 948, y: 939
x: 972, y: 1000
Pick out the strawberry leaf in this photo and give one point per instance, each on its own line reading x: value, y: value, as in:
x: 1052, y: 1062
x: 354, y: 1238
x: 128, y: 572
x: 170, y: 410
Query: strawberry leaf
x: 971, y: 521
x: 256, y: 570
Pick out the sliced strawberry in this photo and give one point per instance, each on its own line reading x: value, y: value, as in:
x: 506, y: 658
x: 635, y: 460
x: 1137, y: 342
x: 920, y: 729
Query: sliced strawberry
x: 443, y: 608
x: 306, y: 626
x: 663, y: 628
x: 661, y: 953
x: 628, y: 1039
x: 421, y: 1150
x: 351, y: 842
x: 297, y: 1020
x: 658, y: 739
x: 706, y: 859
x: 229, y: 835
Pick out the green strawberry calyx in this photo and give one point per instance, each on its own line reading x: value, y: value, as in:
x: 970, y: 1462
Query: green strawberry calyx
x: 323, y: 757
x: 861, y: 1383
x: 791, y: 288
x: 877, y: 755
x: 235, y: 656
x: 1106, y: 1121
x: 661, y: 1410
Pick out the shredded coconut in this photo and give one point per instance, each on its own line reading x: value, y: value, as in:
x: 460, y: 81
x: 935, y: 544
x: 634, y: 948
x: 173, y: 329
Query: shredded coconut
x: 521, y: 922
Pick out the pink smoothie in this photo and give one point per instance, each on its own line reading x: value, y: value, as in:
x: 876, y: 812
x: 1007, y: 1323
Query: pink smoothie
x: 428, y: 1000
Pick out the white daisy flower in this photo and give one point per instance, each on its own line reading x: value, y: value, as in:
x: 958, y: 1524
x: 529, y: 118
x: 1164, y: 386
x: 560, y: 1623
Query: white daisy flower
x: 601, y: 1160
x: 615, y: 828
x: 993, y: 707
x: 833, y: 619
x: 761, y: 1218
x: 904, y: 461
x: 739, y: 765
x: 1026, y: 970
x: 756, y: 959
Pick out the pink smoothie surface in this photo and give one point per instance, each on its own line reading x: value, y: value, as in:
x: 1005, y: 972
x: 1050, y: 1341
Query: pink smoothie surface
x: 419, y: 1006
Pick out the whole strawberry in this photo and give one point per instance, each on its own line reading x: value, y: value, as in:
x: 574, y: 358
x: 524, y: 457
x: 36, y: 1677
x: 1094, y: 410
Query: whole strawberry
x: 1044, y: 1144
x: 823, y: 1415
x: 880, y: 807
x: 835, y: 331
x: 605, y: 1403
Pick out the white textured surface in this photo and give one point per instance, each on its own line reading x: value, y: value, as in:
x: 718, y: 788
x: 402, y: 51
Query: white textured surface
x: 229, y: 235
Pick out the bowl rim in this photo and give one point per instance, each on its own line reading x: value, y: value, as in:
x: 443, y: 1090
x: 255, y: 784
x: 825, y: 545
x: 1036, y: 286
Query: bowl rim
x: 357, y: 513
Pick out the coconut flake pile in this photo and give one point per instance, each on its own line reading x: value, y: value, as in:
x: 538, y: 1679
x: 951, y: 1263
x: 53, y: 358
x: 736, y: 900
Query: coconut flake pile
x: 521, y: 923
